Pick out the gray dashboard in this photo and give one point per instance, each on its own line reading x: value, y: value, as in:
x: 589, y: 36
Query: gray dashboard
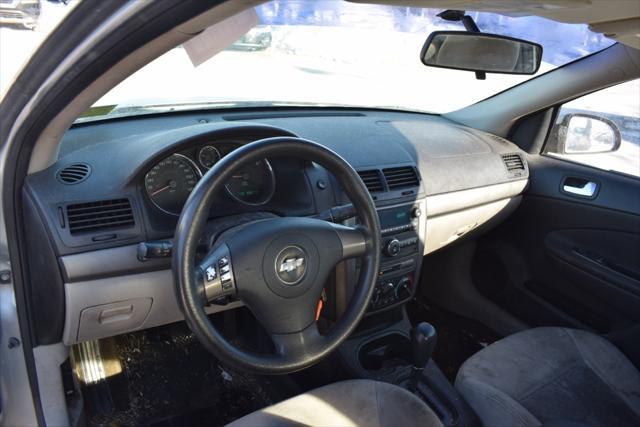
x: 468, y: 176
x: 365, y: 138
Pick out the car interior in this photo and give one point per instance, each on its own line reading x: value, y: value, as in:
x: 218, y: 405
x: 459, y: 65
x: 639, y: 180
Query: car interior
x: 331, y: 265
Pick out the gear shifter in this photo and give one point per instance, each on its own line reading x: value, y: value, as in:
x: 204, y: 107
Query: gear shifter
x: 423, y: 342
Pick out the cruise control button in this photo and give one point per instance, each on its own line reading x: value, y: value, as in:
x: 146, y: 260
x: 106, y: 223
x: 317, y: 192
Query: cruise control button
x: 224, y: 269
x: 225, y: 277
x: 224, y: 261
x: 211, y: 273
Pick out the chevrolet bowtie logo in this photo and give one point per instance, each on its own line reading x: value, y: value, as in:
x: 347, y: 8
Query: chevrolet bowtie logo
x: 290, y: 264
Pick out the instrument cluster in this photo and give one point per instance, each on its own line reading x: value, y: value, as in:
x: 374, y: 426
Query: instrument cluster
x: 169, y: 182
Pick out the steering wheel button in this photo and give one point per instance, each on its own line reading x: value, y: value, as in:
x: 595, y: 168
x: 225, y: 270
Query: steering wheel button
x: 226, y: 277
x: 224, y: 261
x: 224, y: 269
x: 211, y: 273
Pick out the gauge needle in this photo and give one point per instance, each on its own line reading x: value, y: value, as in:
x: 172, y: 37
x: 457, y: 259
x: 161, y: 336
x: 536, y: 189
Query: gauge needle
x: 160, y: 190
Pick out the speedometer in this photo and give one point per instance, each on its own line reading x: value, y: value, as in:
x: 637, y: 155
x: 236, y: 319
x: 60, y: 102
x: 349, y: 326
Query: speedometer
x: 169, y: 183
x: 253, y: 184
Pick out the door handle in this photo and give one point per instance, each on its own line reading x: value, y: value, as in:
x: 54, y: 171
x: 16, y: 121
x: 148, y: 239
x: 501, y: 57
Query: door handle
x: 580, y: 187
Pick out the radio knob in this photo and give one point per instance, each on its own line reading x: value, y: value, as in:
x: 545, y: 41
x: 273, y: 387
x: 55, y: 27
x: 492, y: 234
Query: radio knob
x: 416, y: 212
x: 393, y: 247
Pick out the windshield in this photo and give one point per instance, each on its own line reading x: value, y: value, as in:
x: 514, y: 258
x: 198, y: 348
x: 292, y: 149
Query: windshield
x: 334, y: 53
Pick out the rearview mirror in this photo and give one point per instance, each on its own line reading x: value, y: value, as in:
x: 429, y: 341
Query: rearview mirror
x: 586, y: 134
x: 481, y: 52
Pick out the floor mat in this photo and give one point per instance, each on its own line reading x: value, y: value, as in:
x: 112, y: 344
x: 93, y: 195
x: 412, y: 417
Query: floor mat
x: 458, y: 337
x: 167, y: 378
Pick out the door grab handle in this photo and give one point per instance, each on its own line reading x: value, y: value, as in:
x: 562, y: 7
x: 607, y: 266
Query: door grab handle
x: 587, y: 190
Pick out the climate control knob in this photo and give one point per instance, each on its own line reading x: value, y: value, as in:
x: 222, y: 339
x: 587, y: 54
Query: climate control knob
x: 392, y: 248
x: 403, y: 287
x: 388, y: 288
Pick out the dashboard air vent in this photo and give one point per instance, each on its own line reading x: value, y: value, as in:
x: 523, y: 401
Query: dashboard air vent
x: 372, y: 180
x: 401, y: 177
x: 514, y: 164
x: 74, y: 174
x: 100, y: 215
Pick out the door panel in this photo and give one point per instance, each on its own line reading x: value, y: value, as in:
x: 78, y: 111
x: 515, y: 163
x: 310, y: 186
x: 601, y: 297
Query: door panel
x: 615, y: 191
x: 602, y: 262
x: 568, y: 260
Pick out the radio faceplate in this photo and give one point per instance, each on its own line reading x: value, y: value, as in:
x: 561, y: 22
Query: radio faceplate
x: 401, y: 227
x: 399, y: 218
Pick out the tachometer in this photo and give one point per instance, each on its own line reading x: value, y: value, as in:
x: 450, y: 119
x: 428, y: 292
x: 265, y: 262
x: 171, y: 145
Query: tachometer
x: 169, y: 183
x: 253, y: 184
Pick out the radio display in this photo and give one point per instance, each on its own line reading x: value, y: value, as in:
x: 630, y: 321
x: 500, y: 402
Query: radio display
x: 395, y: 216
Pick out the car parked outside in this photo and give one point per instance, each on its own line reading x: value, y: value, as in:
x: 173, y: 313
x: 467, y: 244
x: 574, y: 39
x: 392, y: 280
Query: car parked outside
x: 21, y: 13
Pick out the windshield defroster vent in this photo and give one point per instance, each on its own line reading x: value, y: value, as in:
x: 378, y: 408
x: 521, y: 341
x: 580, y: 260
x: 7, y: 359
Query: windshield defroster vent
x: 74, y: 174
x: 514, y: 164
x: 401, y: 177
x: 372, y: 180
x: 100, y: 215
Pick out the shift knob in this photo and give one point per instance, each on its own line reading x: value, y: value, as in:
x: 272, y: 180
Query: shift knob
x: 423, y: 342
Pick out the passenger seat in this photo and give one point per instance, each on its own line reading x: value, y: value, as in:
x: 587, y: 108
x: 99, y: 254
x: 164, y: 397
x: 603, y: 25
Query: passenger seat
x: 552, y: 377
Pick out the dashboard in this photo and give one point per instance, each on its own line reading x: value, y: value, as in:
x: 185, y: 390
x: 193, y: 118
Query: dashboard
x: 123, y: 182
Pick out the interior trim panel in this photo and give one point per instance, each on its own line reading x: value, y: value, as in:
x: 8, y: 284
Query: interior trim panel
x: 106, y: 307
x: 450, y: 202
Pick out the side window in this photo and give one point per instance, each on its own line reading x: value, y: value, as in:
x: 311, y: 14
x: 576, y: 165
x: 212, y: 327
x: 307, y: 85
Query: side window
x: 601, y: 129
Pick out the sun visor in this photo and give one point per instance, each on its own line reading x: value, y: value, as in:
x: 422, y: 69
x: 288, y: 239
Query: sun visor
x: 626, y: 31
x: 216, y: 38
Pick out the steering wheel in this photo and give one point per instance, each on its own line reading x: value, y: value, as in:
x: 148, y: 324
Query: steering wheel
x: 278, y: 267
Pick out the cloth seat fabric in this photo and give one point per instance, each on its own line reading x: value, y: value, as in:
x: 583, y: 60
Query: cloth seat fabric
x: 347, y: 403
x: 552, y: 377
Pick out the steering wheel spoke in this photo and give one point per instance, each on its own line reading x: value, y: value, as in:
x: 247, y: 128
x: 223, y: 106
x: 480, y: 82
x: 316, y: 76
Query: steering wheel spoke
x: 297, y: 343
x: 353, y: 239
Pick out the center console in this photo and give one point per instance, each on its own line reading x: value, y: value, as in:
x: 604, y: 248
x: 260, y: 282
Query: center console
x: 401, y: 227
x: 384, y: 345
x: 390, y: 354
